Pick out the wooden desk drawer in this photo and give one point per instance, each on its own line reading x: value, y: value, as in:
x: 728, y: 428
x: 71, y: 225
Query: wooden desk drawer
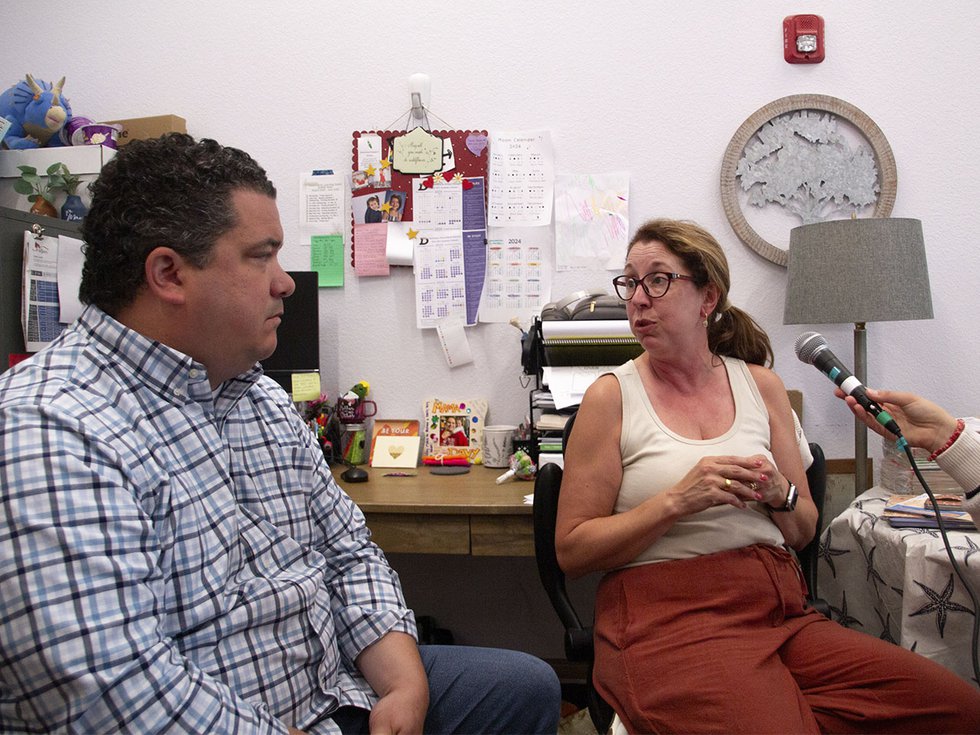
x: 502, y: 535
x: 420, y: 534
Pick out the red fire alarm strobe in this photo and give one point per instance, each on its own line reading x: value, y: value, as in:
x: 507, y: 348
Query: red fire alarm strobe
x: 803, y: 39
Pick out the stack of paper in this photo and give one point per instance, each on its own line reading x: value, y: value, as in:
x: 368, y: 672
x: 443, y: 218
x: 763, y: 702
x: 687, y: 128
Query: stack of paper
x: 916, y: 511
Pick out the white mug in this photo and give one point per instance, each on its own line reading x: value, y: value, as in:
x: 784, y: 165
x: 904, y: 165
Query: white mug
x: 498, y: 445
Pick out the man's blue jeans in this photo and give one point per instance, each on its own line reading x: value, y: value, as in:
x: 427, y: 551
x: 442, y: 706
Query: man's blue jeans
x: 480, y: 690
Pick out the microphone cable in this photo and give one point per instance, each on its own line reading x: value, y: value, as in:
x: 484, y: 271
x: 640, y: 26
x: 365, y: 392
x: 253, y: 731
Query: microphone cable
x: 952, y: 559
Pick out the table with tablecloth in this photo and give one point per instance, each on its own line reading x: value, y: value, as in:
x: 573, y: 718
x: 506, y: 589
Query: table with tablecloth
x: 898, y: 583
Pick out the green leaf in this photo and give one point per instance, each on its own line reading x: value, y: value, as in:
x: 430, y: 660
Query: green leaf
x: 28, y: 170
x: 22, y: 187
x: 55, y: 168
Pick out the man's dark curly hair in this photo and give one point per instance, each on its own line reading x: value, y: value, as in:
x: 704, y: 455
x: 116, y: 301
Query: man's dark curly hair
x: 172, y: 191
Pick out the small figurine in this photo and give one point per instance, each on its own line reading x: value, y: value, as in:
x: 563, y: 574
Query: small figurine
x: 359, y: 391
x: 37, y: 113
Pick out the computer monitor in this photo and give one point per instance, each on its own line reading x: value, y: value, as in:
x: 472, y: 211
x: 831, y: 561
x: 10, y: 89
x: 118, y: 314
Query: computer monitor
x: 298, y: 348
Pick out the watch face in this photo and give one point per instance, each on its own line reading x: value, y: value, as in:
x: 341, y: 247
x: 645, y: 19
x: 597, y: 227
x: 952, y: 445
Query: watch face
x: 791, y: 497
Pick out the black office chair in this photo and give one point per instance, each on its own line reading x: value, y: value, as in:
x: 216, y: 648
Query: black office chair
x: 578, y: 637
x: 809, y: 555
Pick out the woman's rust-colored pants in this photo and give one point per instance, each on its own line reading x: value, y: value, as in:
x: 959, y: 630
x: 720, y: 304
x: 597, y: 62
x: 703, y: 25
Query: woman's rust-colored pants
x: 724, y: 643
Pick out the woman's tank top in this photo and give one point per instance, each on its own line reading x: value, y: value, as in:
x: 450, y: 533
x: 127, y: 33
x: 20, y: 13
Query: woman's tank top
x: 655, y: 458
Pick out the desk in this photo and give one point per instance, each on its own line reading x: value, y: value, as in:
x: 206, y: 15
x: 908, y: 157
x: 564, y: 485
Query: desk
x: 898, y: 584
x: 467, y: 537
x: 446, y: 514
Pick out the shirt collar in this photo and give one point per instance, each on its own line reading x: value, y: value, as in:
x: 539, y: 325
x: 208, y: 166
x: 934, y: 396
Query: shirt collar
x: 176, y: 377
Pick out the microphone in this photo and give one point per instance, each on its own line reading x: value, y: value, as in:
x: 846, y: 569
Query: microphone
x: 812, y: 348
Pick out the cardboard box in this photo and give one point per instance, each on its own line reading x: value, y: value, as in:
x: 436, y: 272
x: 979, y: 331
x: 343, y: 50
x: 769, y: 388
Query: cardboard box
x: 140, y: 128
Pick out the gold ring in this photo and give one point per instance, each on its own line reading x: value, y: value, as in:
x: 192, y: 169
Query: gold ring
x: 728, y: 482
x: 752, y: 486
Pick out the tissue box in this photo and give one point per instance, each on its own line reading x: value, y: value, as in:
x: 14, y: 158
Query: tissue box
x: 139, y: 128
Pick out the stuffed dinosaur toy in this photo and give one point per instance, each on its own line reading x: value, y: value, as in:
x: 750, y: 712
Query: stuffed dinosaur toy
x: 37, y: 113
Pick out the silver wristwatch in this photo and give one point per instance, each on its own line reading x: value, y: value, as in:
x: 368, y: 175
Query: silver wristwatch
x: 790, y: 503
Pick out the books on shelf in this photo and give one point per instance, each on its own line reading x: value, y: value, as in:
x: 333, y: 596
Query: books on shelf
x: 916, y: 511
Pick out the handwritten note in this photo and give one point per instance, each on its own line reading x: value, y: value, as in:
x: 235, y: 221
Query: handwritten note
x: 306, y: 386
x: 417, y: 152
x: 369, y: 257
x: 327, y: 259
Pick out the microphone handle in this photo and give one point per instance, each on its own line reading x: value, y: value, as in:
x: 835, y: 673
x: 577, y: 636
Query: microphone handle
x: 881, y: 415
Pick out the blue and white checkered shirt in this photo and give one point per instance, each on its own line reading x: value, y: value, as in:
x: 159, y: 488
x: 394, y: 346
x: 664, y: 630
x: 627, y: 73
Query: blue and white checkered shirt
x: 173, y: 559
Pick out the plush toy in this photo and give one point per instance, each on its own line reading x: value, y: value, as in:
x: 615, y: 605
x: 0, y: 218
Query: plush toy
x: 37, y: 113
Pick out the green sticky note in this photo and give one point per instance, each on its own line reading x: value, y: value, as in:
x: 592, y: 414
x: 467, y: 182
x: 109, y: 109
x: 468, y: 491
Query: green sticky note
x: 327, y: 259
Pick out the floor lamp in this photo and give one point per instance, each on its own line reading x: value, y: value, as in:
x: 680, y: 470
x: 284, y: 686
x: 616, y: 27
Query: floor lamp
x: 860, y: 271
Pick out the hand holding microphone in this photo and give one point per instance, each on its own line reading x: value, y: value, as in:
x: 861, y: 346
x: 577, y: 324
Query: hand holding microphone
x: 812, y: 348
x: 926, y: 424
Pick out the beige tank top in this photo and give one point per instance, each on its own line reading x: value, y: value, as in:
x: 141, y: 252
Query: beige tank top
x: 655, y: 458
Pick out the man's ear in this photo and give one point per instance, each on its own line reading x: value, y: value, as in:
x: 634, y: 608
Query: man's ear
x: 164, y: 269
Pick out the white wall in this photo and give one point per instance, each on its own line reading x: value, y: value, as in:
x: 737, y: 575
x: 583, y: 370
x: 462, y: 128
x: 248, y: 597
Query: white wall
x: 656, y: 87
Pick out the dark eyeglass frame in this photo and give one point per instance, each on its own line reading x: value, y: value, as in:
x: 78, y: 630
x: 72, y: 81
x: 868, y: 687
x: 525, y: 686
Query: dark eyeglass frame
x: 623, y: 282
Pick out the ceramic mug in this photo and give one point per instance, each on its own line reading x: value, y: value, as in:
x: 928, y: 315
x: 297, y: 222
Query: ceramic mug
x: 353, y: 410
x: 498, y: 445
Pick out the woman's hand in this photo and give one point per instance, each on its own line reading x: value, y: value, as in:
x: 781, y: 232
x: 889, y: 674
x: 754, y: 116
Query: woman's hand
x: 728, y: 480
x: 923, y: 423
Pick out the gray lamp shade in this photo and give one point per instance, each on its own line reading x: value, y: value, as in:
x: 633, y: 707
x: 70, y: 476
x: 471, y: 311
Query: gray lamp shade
x: 857, y: 270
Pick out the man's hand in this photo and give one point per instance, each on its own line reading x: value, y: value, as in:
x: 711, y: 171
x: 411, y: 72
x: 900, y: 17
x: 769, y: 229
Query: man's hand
x: 400, y: 711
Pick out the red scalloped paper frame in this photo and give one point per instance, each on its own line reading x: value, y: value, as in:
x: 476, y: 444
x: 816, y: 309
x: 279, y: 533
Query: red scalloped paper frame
x: 467, y: 163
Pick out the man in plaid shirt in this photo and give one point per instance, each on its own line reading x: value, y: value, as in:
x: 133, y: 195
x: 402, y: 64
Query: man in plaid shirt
x: 174, y: 552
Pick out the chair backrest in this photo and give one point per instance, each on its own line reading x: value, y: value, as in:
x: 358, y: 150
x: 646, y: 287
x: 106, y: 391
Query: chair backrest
x: 547, y: 488
x: 578, y: 638
x: 816, y: 478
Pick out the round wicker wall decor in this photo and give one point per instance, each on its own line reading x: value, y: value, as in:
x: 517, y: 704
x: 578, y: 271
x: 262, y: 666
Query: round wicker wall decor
x: 884, y: 159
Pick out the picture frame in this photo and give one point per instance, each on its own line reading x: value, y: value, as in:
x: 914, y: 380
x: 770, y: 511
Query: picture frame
x: 454, y: 429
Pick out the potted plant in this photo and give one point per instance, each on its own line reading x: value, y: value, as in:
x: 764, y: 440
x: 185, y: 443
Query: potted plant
x: 40, y: 190
x: 64, y: 180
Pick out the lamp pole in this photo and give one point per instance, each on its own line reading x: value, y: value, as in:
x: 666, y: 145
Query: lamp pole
x: 860, y: 430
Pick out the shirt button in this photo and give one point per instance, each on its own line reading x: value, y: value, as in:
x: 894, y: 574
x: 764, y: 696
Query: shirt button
x: 194, y: 372
x: 178, y: 392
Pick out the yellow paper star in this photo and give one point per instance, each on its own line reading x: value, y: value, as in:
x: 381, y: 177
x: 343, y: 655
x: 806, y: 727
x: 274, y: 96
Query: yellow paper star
x: 458, y: 177
x: 386, y: 207
x: 370, y: 170
x: 385, y: 163
x: 412, y: 234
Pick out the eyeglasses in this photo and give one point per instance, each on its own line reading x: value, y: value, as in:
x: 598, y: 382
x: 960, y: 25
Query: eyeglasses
x: 654, y: 284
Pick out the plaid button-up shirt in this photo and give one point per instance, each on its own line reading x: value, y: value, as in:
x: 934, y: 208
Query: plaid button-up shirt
x: 173, y: 557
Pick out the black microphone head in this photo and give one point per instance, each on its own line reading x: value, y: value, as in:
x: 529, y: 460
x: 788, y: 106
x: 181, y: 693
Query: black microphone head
x: 808, y: 345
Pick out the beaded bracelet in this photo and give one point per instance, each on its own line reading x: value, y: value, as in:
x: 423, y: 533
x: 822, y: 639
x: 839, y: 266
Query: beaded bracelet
x: 960, y: 425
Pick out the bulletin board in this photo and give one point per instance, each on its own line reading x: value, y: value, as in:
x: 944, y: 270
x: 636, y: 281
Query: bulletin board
x: 468, y: 157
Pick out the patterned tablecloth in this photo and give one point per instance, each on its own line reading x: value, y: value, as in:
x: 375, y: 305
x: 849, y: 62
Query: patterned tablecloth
x: 898, y: 584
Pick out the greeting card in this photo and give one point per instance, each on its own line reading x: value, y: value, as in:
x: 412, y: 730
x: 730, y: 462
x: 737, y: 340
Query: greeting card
x: 396, y: 443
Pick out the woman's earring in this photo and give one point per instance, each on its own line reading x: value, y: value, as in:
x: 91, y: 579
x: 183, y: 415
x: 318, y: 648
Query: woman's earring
x: 705, y: 322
